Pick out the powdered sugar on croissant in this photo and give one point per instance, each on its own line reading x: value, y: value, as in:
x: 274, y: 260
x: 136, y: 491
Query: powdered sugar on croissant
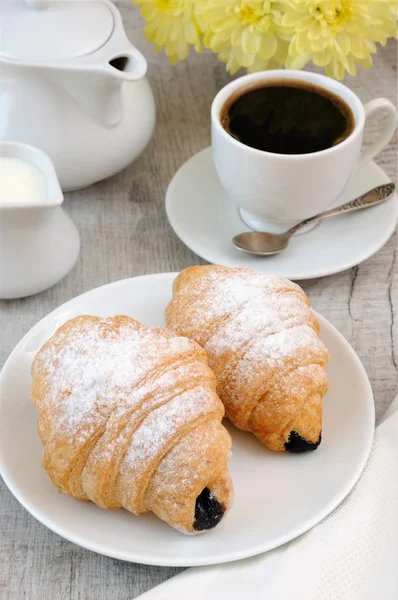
x: 129, y: 416
x: 262, y: 341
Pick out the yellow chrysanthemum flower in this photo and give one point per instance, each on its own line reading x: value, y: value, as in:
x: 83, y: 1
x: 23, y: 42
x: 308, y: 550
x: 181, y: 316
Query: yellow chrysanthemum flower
x: 337, y: 34
x: 171, y: 25
x: 244, y: 33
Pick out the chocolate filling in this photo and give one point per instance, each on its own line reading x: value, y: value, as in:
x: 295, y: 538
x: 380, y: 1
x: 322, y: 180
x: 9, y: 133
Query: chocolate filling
x: 208, y: 511
x: 296, y: 443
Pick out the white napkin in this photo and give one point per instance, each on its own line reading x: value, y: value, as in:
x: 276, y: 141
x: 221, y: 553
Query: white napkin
x: 351, y: 555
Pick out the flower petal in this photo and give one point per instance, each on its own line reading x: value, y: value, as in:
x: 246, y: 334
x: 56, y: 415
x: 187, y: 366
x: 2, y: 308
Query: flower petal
x: 344, y: 42
x: 268, y: 47
x: 251, y: 43
x: 299, y: 62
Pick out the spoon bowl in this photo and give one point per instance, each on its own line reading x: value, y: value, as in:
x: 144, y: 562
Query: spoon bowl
x: 262, y: 243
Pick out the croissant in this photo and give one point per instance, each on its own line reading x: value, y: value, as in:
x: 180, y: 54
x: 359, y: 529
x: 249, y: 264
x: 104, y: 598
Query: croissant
x: 262, y: 341
x: 129, y: 416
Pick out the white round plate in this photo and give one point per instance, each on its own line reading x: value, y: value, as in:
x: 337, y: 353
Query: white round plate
x: 205, y: 219
x: 278, y: 496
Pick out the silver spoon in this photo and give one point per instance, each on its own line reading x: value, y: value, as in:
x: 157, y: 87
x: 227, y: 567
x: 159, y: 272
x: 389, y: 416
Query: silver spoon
x: 262, y: 243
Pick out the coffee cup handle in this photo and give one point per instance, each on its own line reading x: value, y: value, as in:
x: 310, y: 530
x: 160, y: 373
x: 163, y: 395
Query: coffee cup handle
x: 385, y: 135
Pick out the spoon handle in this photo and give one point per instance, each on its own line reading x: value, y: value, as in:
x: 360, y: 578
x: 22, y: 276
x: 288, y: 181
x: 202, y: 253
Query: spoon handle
x: 371, y: 198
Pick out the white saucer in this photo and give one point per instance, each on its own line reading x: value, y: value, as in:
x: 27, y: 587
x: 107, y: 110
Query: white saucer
x: 206, y: 221
x: 278, y: 496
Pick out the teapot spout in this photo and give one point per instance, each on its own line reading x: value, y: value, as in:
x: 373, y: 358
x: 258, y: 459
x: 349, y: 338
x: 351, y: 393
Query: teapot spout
x: 97, y: 87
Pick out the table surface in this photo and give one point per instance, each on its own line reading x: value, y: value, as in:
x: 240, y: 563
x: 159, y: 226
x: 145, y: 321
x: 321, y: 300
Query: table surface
x: 125, y: 233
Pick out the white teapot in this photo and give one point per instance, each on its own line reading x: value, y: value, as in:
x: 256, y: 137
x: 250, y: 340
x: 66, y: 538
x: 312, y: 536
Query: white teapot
x: 72, y: 85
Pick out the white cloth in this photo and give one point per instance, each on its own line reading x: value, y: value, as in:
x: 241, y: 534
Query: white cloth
x: 351, y: 555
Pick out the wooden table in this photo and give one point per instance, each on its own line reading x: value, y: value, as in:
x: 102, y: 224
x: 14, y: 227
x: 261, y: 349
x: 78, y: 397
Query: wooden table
x: 125, y: 233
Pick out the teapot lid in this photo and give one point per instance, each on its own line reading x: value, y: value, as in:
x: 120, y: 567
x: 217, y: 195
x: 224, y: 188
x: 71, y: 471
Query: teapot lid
x: 47, y: 30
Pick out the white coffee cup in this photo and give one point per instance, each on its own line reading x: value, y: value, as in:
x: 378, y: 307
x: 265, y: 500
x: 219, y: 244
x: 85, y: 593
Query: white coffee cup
x: 275, y: 191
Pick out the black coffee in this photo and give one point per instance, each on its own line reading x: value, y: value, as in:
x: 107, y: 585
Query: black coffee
x: 287, y: 117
